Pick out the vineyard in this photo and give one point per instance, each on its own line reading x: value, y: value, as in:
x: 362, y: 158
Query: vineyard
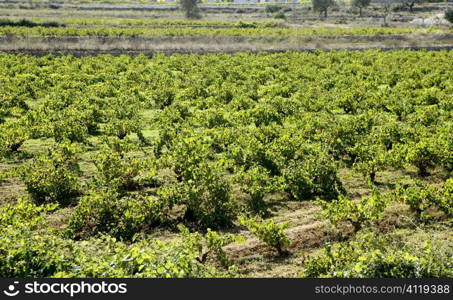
x: 323, y: 164
x: 240, y: 30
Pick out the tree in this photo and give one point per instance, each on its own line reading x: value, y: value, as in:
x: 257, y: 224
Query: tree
x: 360, y: 4
x: 387, y: 5
x: 191, y: 9
x: 449, y: 15
x: 322, y: 6
x: 410, y: 4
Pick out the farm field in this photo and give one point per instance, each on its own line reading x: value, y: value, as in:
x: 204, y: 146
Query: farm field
x: 252, y: 140
x: 245, y: 165
x: 87, y: 28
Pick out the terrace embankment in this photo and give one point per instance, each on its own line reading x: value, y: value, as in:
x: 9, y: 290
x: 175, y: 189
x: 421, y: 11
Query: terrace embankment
x: 93, y: 45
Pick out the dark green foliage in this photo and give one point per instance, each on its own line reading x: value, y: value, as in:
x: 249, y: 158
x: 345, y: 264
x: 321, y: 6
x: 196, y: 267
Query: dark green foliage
x: 312, y: 174
x: 280, y: 15
x: 206, y: 196
x: 421, y: 197
x: 105, y: 211
x: 28, y: 23
x: 361, y: 4
x: 31, y: 249
x: 257, y: 183
x: 200, y: 185
x: 449, y: 15
x: 116, y: 168
x: 322, y: 6
x: 191, y: 9
x: 270, y: 9
x: 12, y: 136
x: 53, y: 176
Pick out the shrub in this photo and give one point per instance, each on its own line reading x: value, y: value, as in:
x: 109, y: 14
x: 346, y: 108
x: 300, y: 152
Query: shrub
x: 124, y: 119
x: 280, y: 15
x: 270, y: 9
x: 322, y: 6
x: 53, y: 177
x: 257, y: 183
x: 191, y: 9
x: 12, y: 136
x: 312, y: 176
x: 26, y: 246
x: 105, y: 211
x: 30, y: 248
x: 205, y: 195
x: 200, y: 185
x: 121, y: 128
x: 116, y: 170
x: 69, y: 126
x: 370, y: 157
x: 213, y: 241
x: 358, y: 213
x: 216, y: 242
x: 423, y: 156
x: 372, y: 256
x: 185, y: 154
x: 242, y: 24
x: 269, y: 233
x: 3, y: 176
x: 106, y: 257
x: 65, y: 119
x: 305, y: 169
x: 26, y: 253
x: 264, y: 114
x: 28, y: 23
x: 421, y: 197
x: 445, y: 200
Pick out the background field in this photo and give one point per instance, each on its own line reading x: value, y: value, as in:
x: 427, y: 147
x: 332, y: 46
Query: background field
x: 149, y: 28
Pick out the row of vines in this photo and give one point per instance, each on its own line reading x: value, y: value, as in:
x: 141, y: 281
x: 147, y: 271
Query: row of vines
x: 240, y: 29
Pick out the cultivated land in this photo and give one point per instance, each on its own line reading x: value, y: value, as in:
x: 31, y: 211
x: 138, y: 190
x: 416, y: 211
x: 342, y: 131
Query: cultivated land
x: 151, y: 28
x: 252, y: 164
